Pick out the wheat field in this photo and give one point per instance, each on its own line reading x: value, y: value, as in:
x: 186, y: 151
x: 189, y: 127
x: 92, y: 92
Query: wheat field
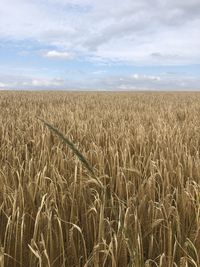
x: 126, y: 193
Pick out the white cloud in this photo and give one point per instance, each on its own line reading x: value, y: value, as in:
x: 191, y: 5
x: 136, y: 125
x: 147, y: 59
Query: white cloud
x: 144, y: 77
x: 130, y: 31
x: 46, y: 83
x: 2, y: 85
x: 150, y: 82
x: 135, y: 81
x: 58, y: 55
x: 20, y: 81
x: 105, y: 33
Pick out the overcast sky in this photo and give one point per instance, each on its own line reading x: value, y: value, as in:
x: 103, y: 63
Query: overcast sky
x: 104, y: 44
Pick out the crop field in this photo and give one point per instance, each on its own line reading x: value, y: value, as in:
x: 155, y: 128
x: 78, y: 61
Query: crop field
x: 96, y: 179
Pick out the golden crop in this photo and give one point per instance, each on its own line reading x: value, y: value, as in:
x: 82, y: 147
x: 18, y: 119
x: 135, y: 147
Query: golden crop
x: 136, y: 204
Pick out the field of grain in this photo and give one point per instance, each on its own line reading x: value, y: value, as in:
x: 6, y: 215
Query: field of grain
x: 138, y: 205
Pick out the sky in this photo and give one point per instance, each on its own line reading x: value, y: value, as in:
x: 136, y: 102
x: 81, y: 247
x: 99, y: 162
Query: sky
x: 100, y: 45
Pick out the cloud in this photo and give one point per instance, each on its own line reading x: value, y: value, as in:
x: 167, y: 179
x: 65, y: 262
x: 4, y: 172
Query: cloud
x: 106, y: 33
x: 2, y: 85
x: 130, y: 31
x: 58, y: 55
x: 20, y: 81
x: 150, y: 82
x: 136, y: 81
x: 47, y: 82
x: 158, y: 55
x: 144, y: 77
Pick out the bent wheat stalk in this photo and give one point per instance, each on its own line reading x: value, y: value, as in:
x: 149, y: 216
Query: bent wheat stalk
x: 71, y: 145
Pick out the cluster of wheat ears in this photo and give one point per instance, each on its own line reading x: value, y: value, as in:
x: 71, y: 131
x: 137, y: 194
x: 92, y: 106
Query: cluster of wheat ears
x: 99, y: 179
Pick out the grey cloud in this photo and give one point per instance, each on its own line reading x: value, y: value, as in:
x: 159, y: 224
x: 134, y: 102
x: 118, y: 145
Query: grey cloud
x: 126, y: 27
x: 158, y: 55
